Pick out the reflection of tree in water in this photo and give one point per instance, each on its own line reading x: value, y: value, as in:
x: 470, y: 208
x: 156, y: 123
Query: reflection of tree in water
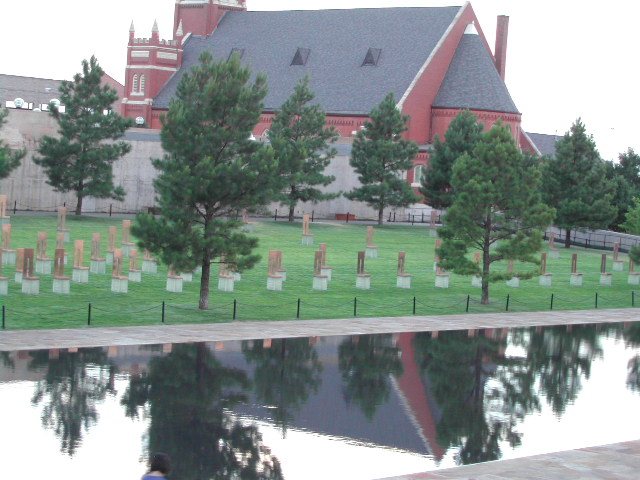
x: 366, y: 362
x: 478, y: 409
x: 285, y: 374
x: 560, y: 357
x: 186, y: 395
x: 73, y: 386
x: 6, y: 360
x: 483, y: 394
x: 631, y: 334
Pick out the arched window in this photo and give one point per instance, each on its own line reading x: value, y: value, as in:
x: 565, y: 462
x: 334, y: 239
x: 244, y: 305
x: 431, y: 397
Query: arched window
x: 418, y: 175
x: 142, y: 80
x: 134, y: 84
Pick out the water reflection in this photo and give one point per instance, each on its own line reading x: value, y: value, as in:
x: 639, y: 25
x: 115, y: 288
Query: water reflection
x: 75, y: 382
x: 448, y: 397
x: 286, y: 372
x: 367, y: 364
x: 187, y: 396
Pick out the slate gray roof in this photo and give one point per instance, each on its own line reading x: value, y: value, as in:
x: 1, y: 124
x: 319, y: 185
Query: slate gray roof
x: 338, y: 40
x: 546, y: 144
x: 473, y: 81
x: 30, y: 89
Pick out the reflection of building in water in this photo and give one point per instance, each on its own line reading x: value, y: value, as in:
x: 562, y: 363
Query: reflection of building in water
x: 128, y: 359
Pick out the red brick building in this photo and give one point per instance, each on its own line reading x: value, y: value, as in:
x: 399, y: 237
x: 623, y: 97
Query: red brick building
x: 435, y: 60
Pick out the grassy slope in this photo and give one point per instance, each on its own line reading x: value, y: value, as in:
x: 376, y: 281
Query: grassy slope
x: 142, y: 305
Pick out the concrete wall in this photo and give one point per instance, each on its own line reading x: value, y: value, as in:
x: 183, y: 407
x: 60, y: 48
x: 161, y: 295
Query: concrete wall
x: 27, y: 185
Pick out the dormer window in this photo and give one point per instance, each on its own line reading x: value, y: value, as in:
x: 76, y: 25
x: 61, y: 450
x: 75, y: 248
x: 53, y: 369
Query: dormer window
x: 236, y: 51
x: 301, y: 56
x: 372, y: 57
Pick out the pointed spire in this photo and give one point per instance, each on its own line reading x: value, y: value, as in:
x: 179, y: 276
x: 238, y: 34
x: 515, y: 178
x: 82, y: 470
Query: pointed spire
x: 155, y: 27
x: 179, y: 31
x: 132, y: 29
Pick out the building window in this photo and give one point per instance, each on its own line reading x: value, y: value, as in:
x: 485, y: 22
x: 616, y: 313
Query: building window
x: 134, y: 84
x: 142, y: 81
x: 418, y: 175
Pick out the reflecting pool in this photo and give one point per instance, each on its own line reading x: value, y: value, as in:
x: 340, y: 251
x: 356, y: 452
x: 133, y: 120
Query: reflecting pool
x: 344, y: 407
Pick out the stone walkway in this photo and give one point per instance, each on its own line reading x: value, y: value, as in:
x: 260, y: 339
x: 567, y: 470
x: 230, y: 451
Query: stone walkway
x: 610, y: 462
x: 157, y: 334
x: 619, y: 461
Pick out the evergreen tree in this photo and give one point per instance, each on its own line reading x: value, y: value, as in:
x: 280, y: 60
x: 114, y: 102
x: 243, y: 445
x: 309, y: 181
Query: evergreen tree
x: 632, y: 226
x: 380, y: 156
x: 575, y: 184
x: 9, y: 159
x: 497, y: 204
x: 81, y: 160
x: 299, y: 141
x: 211, y: 170
x: 462, y: 136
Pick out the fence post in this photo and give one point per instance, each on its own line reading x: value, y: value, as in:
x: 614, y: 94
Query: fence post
x: 89, y: 315
x: 347, y: 217
x: 389, y: 216
x: 633, y: 301
x: 468, y: 298
x: 275, y: 217
x: 355, y: 306
x: 163, y: 311
x: 551, y: 305
x: 508, y: 297
x: 3, y: 317
x: 298, y: 311
x: 596, y: 299
x: 15, y: 205
x: 235, y: 308
x: 313, y: 215
x: 110, y: 208
x: 394, y: 216
x: 414, y: 305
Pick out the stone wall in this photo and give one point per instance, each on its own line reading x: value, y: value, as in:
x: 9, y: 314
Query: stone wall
x: 27, y: 185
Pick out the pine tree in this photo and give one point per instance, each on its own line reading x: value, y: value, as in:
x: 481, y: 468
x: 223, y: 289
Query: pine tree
x: 575, y: 184
x: 299, y: 140
x: 81, y: 160
x: 462, y: 136
x: 380, y: 156
x: 497, y: 210
x: 9, y: 159
x: 211, y: 170
x: 632, y: 226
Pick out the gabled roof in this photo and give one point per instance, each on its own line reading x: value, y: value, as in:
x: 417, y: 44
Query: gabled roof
x: 338, y: 41
x: 473, y: 81
x: 546, y: 144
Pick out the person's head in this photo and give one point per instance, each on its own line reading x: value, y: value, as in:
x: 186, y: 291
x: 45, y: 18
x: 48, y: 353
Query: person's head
x: 160, y: 462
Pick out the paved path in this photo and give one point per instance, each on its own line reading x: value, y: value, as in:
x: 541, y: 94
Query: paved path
x: 611, y: 462
x: 156, y: 334
x: 619, y: 461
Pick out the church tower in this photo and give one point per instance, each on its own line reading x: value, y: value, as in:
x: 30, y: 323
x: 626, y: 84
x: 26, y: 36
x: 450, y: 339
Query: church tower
x: 201, y: 17
x: 150, y: 63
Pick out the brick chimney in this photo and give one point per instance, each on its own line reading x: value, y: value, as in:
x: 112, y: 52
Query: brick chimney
x: 502, y: 32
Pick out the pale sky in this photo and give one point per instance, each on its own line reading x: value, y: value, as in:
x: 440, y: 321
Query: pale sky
x: 565, y: 58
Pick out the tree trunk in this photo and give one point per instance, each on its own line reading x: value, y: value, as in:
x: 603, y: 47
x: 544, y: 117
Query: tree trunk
x: 79, y: 205
x: 291, y: 213
x: 204, y: 281
x: 380, y: 216
x: 567, y: 241
x: 80, y: 197
x: 485, y: 270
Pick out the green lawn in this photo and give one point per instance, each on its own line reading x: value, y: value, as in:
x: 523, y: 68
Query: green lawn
x: 143, y: 304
